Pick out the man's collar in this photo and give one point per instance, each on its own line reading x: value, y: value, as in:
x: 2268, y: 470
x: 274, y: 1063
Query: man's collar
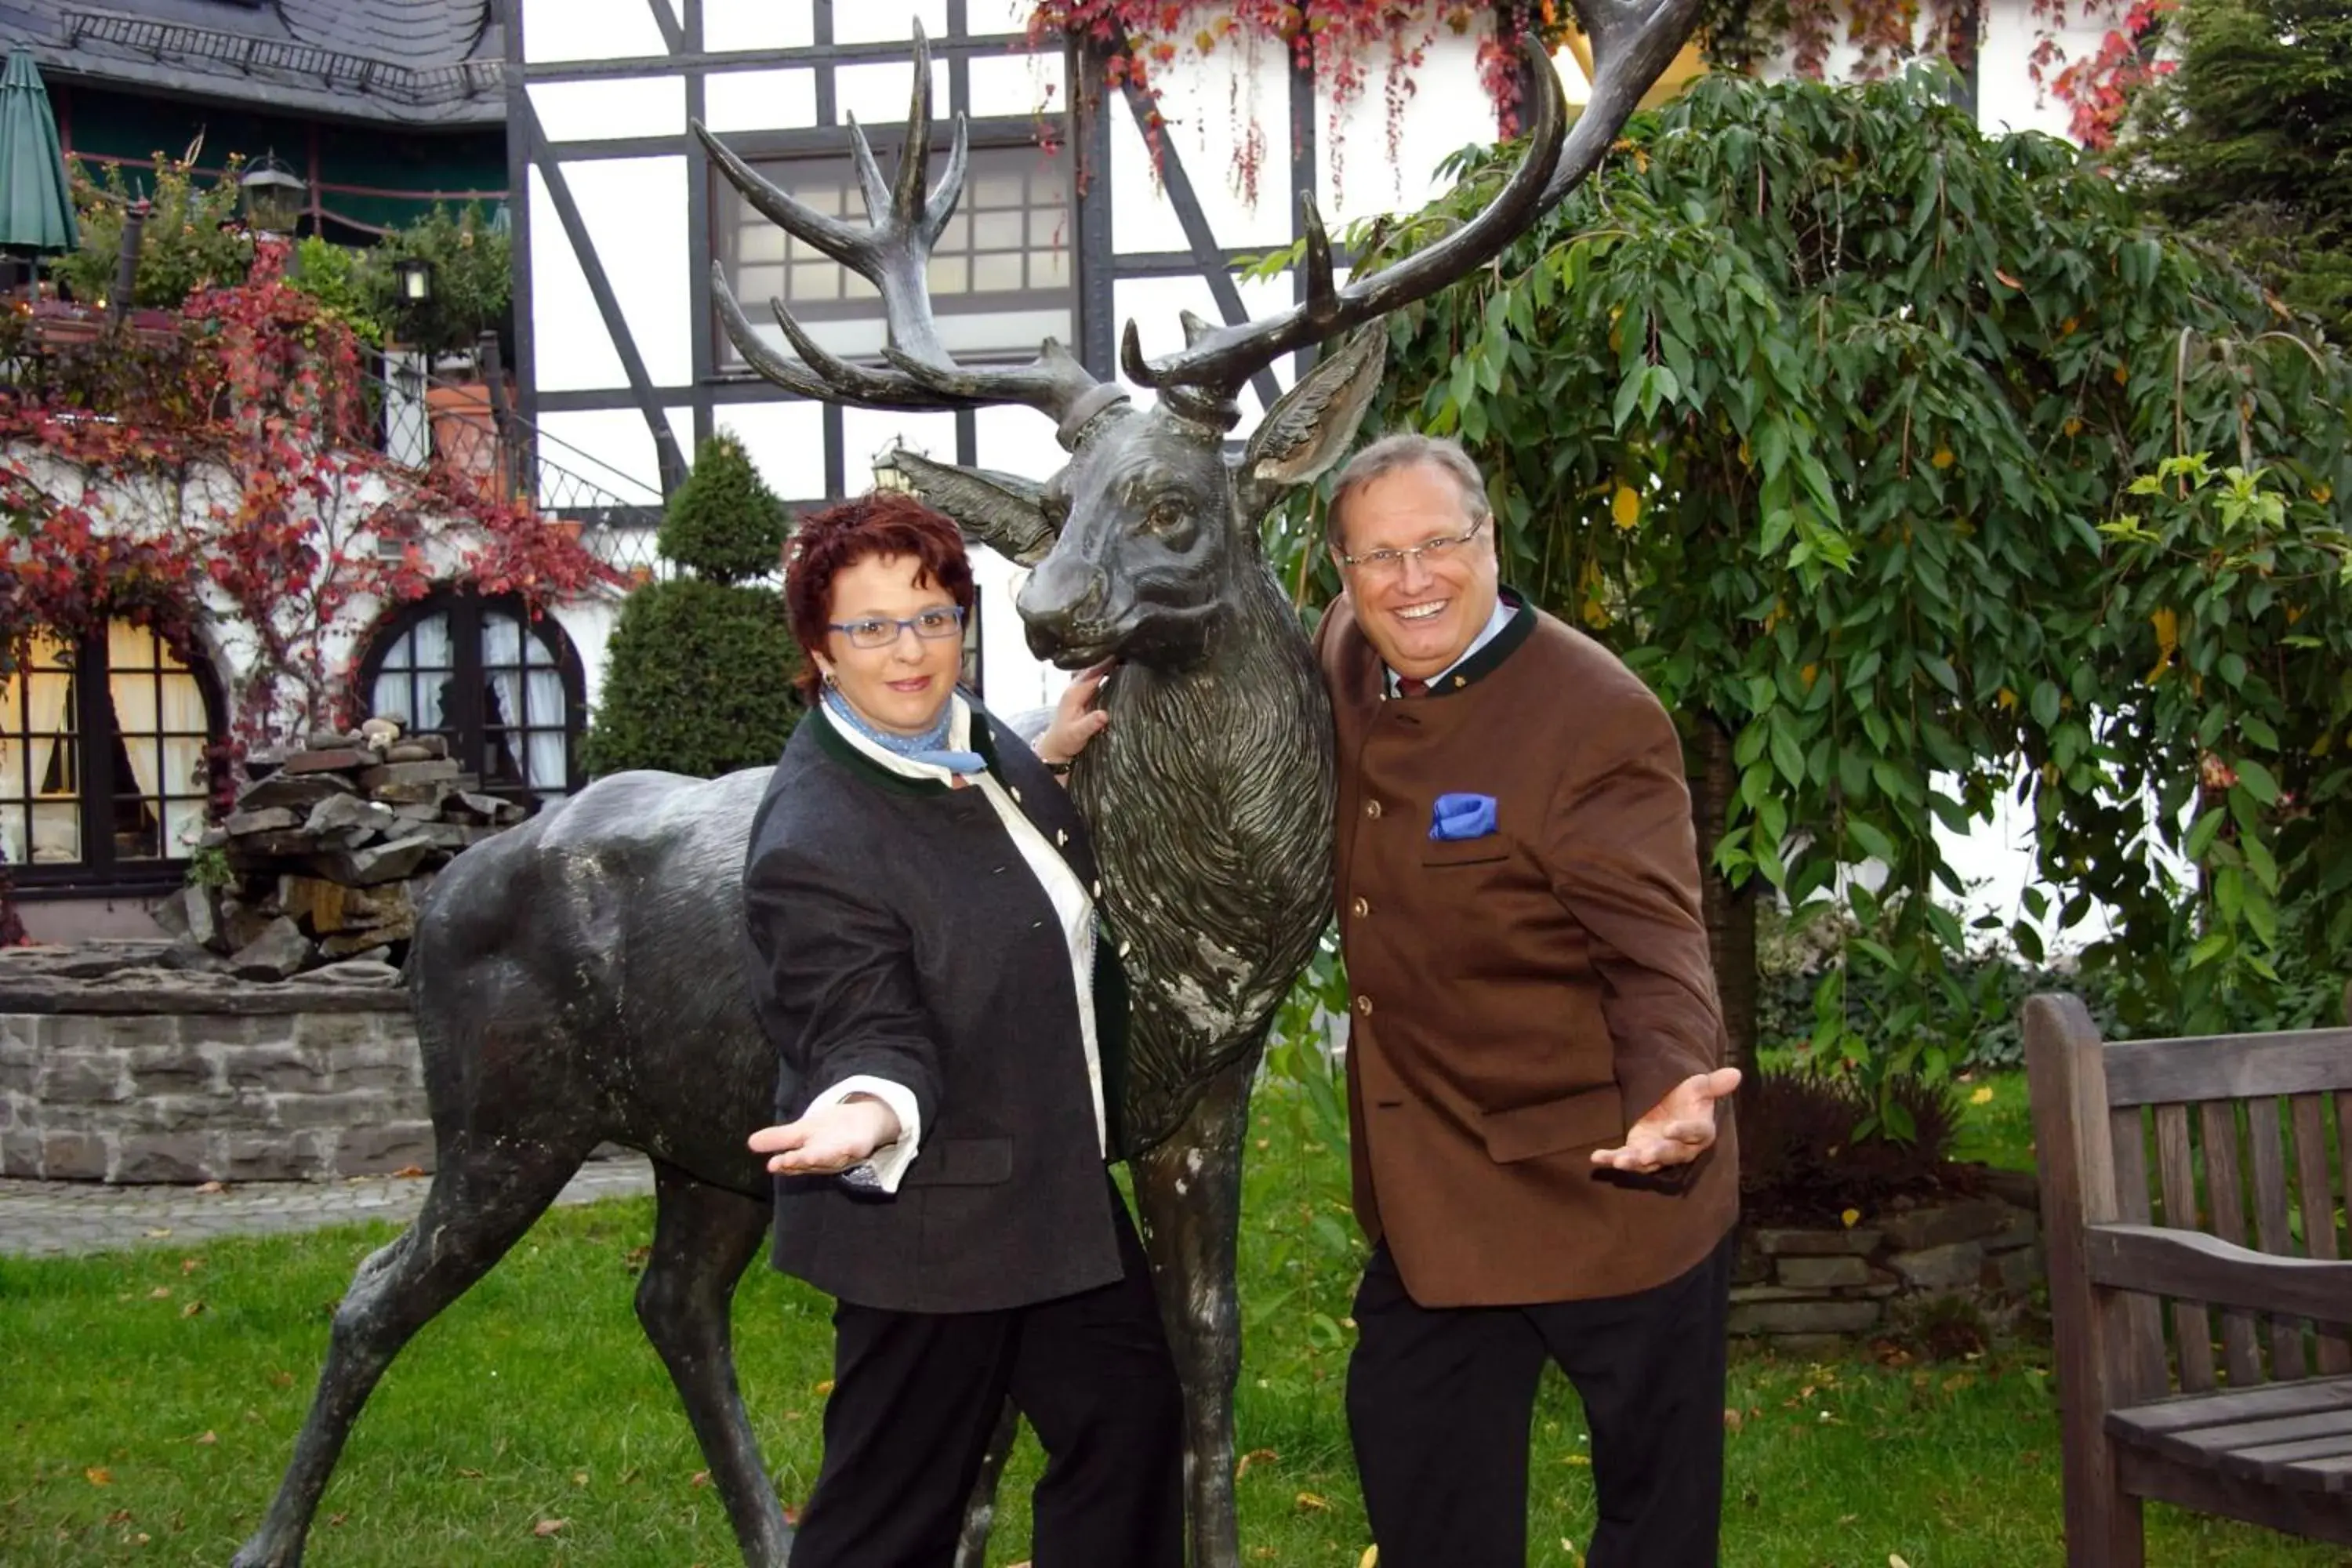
x: 1487, y: 652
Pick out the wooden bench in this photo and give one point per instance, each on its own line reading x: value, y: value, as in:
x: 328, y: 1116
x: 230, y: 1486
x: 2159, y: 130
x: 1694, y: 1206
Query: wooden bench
x: 2255, y: 1422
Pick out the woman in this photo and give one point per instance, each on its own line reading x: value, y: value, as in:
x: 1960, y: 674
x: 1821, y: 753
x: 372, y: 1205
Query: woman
x: 919, y: 896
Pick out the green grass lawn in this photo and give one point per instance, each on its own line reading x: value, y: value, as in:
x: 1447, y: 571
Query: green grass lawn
x: 152, y: 1398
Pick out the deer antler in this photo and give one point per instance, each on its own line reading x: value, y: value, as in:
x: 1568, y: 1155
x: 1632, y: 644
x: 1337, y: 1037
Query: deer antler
x: 893, y: 252
x: 1631, y: 44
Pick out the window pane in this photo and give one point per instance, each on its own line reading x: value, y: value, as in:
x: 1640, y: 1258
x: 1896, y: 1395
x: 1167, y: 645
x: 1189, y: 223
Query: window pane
x: 1046, y: 226
x: 1049, y: 269
x: 57, y: 833
x: 950, y: 275
x: 821, y: 281
x: 501, y: 641
x: 997, y: 231
x: 1007, y: 190
x: 995, y: 274
x: 762, y: 241
x: 956, y: 234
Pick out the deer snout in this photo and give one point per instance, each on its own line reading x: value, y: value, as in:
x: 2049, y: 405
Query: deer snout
x: 1062, y: 594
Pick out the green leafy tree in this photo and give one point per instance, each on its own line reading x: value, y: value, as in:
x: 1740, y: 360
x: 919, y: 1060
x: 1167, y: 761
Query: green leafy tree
x: 191, y: 240
x: 2248, y: 141
x: 699, y: 679
x: 1824, y: 410
x: 473, y: 280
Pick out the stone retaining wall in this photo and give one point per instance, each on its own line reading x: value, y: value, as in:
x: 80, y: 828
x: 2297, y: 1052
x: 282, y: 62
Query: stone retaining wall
x: 190, y: 1081
x: 1808, y: 1290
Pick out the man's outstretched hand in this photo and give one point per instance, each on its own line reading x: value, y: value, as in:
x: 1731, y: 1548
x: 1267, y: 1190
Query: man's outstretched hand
x: 1678, y: 1129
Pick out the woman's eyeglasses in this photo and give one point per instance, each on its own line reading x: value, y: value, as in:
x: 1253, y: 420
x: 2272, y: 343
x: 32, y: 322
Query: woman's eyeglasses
x: 881, y: 631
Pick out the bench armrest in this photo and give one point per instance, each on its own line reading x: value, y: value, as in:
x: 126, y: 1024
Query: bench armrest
x: 2195, y: 1267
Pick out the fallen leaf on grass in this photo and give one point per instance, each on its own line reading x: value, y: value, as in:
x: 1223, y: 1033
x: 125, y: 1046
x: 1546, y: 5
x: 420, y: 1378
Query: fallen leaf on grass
x: 1892, y: 1560
x: 210, y: 1187
x: 160, y: 1235
x: 190, y: 1265
x: 282, y: 1379
x: 700, y: 1479
x: 192, y: 1309
x: 119, y: 1516
x: 547, y: 1527
x: 1732, y: 1420
x: 1370, y: 1559
x: 206, y: 1439
x: 334, y: 1520
x: 408, y: 1173
x: 99, y: 1475
x: 579, y: 1478
x: 1850, y: 1218
x: 822, y: 1389
x: 1982, y: 1096
x: 141, y: 1539
x: 161, y: 1293
x: 1309, y: 1503
x: 1581, y: 1461
x: 1255, y: 1456
x: 469, y: 1475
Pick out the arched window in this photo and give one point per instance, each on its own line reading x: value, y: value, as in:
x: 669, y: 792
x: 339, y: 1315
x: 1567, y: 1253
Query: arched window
x: 103, y: 772
x: 504, y: 689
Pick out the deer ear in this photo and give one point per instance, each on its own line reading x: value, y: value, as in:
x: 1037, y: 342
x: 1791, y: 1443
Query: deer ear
x: 1310, y: 426
x: 1003, y: 511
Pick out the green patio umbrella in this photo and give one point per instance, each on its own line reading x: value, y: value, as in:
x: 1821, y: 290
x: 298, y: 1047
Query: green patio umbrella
x: 35, y: 213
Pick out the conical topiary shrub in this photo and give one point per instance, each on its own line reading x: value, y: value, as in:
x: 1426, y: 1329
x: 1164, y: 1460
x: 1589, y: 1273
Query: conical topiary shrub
x: 699, y: 679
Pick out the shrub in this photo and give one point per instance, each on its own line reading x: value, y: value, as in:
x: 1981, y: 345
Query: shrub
x: 1800, y: 1158
x: 192, y: 239
x: 724, y: 524
x: 473, y: 280
x: 699, y: 678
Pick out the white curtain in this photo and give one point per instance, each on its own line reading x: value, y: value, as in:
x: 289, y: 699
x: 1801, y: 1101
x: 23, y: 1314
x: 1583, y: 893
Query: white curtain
x: 419, y: 662
x: 132, y: 651
x: 529, y: 692
x: 42, y: 828
x: 187, y: 783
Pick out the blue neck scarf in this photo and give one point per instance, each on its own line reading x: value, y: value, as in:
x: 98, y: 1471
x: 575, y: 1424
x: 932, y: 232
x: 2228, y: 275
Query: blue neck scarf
x: 929, y: 747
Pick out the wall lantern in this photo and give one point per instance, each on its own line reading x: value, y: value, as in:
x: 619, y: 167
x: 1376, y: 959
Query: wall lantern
x: 274, y: 195
x: 414, y: 275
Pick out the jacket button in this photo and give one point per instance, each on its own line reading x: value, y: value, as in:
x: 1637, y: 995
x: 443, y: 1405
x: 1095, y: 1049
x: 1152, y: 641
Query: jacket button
x: 1097, y: 890
x: 1372, y: 809
x: 1362, y: 907
x: 1363, y: 1007
x: 1061, y: 836
x: 1016, y: 796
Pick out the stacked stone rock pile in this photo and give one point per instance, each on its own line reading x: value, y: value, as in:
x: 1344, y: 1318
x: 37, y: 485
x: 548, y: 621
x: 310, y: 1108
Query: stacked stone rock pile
x: 330, y: 850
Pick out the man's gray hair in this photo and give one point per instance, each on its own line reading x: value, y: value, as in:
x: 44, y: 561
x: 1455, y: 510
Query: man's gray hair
x: 1409, y: 449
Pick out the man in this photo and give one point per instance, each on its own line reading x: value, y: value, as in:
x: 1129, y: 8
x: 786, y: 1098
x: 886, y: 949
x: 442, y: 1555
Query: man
x: 1535, y: 1069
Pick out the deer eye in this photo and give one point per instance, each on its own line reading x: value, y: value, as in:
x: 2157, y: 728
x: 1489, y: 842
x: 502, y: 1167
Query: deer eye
x: 1167, y: 516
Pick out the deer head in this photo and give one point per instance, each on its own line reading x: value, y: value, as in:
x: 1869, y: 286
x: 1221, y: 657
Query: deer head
x: 1146, y: 540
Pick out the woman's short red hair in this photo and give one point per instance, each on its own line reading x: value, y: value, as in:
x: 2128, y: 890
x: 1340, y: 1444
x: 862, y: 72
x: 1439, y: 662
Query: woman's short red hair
x: 827, y: 543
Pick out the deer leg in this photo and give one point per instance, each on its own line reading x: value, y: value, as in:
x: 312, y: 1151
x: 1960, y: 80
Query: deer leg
x: 703, y: 1237
x: 482, y: 1200
x: 980, y: 1514
x: 1190, y: 1192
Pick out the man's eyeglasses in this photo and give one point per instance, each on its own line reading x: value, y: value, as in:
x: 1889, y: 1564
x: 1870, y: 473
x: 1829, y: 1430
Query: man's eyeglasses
x: 1429, y: 550
x: 931, y: 625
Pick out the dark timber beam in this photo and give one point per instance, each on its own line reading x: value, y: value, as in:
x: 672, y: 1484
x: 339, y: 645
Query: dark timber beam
x: 673, y: 35
x: 608, y: 303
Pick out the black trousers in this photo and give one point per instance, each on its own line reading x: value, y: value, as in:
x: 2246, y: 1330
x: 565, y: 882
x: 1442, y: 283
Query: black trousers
x: 1441, y: 1400
x: 916, y: 1397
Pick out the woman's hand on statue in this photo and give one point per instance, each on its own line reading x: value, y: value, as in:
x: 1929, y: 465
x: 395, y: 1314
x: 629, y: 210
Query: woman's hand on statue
x: 1076, y: 719
x: 828, y: 1142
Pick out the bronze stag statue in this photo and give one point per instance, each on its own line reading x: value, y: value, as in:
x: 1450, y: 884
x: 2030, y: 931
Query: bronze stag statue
x: 576, y: 979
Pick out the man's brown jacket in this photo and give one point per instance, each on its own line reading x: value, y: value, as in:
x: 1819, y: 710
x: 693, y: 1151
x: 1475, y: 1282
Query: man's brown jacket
x: 1520, y: 997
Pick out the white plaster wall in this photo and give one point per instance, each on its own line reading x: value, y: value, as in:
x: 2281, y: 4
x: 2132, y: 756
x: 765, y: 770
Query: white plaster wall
x: 557, y: 30
x: 1156, y: 305
x: 621, y: 444
x: 877, y: 93
x: 759, y: 101
x: 1359, y: 173
x: 784, y: 440
x: 571, y: 348
x: 728, y: 25
x: 880, y: 21
x: 1219, y: 109
x: 610, y: 108
x: 1012, y: 84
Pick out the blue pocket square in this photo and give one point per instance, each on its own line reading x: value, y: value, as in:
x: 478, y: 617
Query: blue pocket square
x: 1462, y: 817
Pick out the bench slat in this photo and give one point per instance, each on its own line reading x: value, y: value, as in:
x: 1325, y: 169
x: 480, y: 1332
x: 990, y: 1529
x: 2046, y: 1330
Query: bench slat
x: 2192, y: 1323
x: 2309, y: 1114
x: 2270, y: 1462
x: 2266, y: 1154
x: 2225, y: 1211
x: 2313, y: 1394
x: 2228, y: 1067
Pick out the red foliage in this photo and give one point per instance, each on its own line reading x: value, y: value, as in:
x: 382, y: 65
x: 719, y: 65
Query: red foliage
x: 231, y: 482
x: 1338, y: 41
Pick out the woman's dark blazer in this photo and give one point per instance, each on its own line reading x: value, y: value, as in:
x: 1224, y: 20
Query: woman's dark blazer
x: 896, y: 930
